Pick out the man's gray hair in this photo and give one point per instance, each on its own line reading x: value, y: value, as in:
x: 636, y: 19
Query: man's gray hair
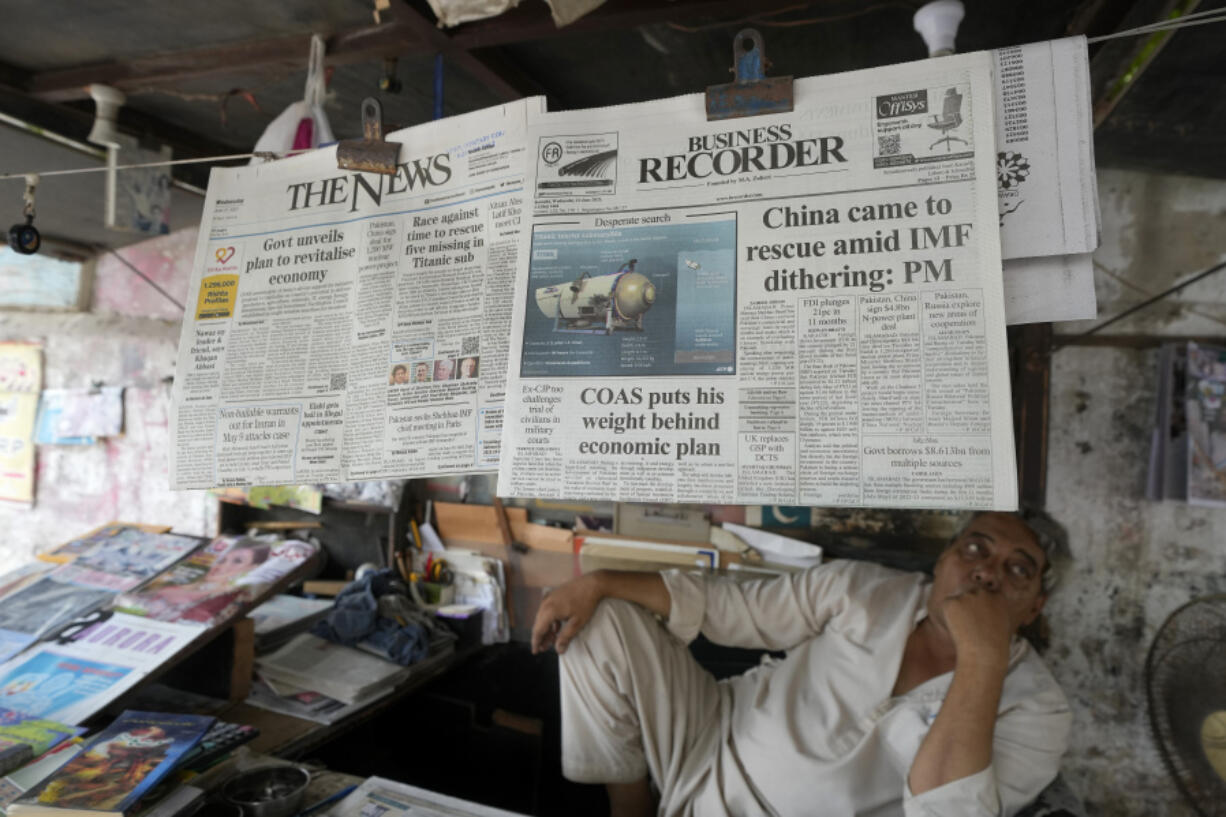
x: 1051, y: 536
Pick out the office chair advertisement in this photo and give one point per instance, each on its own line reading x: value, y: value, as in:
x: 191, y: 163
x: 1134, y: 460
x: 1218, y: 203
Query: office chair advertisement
x: 929, y: 126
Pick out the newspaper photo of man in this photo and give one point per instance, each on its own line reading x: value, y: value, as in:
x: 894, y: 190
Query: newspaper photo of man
x: 468, y: 368
x: 421, y: 372
x: 444, y: 368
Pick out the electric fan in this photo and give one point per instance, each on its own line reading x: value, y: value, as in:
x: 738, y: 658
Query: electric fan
x: 1185, y: 681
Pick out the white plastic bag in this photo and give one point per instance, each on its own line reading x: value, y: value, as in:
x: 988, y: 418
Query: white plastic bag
x: 303, y: 124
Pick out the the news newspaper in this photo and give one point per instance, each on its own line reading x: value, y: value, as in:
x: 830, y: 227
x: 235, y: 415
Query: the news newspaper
x: 801, y: 308
x: 348, y: 326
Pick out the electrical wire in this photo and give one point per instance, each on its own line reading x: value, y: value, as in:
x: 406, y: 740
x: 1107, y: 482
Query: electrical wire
x: 1198, y: 18
x: 144, y: 277
x: 1147, y: 302
x: 1115, y: 276
x: 260, y: 154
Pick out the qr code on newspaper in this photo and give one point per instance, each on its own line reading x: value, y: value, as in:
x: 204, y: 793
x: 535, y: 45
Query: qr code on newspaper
x: 889, y: 145
x: 470, y: 345
x: 337, y: 382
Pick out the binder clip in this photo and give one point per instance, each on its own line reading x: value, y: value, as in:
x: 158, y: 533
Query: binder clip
x: 752, y: 93
x: 371, y: 154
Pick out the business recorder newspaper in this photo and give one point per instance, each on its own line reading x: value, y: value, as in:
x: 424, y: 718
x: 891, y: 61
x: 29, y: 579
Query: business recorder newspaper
x: 349, y: 326
x: 799, y: 308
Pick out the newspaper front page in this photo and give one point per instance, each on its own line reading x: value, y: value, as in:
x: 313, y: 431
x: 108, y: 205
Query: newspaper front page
x: 800, y: 308
x: 349, y: 326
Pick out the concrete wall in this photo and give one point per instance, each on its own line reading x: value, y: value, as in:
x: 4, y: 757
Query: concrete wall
x: 1135, y: 561
x: 129, y: 339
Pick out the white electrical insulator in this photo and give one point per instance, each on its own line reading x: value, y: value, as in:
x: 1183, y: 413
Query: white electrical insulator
x: 937, y: 22
x: 107, y: 102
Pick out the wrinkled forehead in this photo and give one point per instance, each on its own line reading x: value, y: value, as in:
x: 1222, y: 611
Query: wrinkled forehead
x: 1007, y: 530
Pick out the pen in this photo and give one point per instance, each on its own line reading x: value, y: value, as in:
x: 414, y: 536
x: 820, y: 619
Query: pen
x: 326, y: 801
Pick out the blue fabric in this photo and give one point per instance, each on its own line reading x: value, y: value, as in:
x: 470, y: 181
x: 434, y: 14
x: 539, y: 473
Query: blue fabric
x: 355, y: 618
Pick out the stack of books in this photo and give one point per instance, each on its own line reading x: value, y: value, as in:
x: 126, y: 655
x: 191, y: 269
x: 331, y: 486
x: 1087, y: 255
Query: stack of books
x: 122, y: 770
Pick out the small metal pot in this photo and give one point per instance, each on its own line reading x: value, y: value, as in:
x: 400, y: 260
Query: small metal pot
x: 271, y: 791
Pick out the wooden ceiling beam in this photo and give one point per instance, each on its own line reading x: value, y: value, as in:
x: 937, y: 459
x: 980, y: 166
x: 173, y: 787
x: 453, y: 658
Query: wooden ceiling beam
x: 532, y: 21
x: 347, y: 47
x: 408, y: 30
x: 505, y: 81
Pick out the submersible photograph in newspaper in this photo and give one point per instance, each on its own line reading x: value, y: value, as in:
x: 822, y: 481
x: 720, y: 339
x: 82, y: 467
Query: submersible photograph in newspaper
x: 351, y: 326
x: 800, y: 308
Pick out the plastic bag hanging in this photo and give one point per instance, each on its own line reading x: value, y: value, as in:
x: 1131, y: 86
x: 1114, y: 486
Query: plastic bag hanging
x: 302, y: 125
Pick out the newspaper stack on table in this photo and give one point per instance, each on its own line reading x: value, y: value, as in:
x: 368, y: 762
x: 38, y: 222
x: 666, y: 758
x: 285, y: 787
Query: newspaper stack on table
x: 799, y: 309
x: 1048, y: 193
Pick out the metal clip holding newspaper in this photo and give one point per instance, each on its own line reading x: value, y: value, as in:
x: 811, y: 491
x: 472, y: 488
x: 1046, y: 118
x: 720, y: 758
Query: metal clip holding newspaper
x: 752, y: 93
x: 371, y: 154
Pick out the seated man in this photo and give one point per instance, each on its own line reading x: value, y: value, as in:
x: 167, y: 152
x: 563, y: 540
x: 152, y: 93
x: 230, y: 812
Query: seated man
x: 898, y: 695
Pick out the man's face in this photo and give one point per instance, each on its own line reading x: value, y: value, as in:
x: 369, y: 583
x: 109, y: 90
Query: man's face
x: 422, y: 371
x: 401, y: 375
x: 999, y: 553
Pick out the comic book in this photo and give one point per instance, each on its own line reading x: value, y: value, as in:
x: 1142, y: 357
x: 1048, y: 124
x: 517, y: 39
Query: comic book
x: 218, y: 581
x: 117, y: 768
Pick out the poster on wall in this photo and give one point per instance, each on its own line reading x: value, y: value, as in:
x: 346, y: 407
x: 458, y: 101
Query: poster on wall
x: 21, y: 379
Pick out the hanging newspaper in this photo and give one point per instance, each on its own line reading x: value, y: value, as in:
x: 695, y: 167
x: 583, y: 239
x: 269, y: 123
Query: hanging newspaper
x: 351, y: 326
x: 799, y: 308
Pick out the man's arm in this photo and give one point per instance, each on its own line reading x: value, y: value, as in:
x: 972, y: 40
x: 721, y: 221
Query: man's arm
x: 566, y: 610
x: 959, y: 743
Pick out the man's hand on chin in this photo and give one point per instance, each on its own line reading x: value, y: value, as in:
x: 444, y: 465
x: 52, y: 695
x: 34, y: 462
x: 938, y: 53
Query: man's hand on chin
x: 979, y: 624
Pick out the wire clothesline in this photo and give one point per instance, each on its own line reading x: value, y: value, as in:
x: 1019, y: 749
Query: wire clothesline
x: 260, y: 154
x: 1198, y: 18
x: 1184, y: 21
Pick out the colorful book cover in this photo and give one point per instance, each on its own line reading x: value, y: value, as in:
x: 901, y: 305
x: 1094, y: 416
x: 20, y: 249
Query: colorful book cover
x: 41, y: 609
x: 120, y: 765
x: 20, y: 781
x: 70, y: 550
x: 218, y: 581
x: 39, y: 734
x: 44, y: 684
x: 128, y: 559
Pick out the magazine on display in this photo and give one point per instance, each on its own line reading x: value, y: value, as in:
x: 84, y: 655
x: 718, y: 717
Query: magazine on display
x: 218, y: 581
x: 89, y: 665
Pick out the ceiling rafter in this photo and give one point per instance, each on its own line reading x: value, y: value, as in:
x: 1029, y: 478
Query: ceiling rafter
x: 530, y: 22
x: 408, y: 30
